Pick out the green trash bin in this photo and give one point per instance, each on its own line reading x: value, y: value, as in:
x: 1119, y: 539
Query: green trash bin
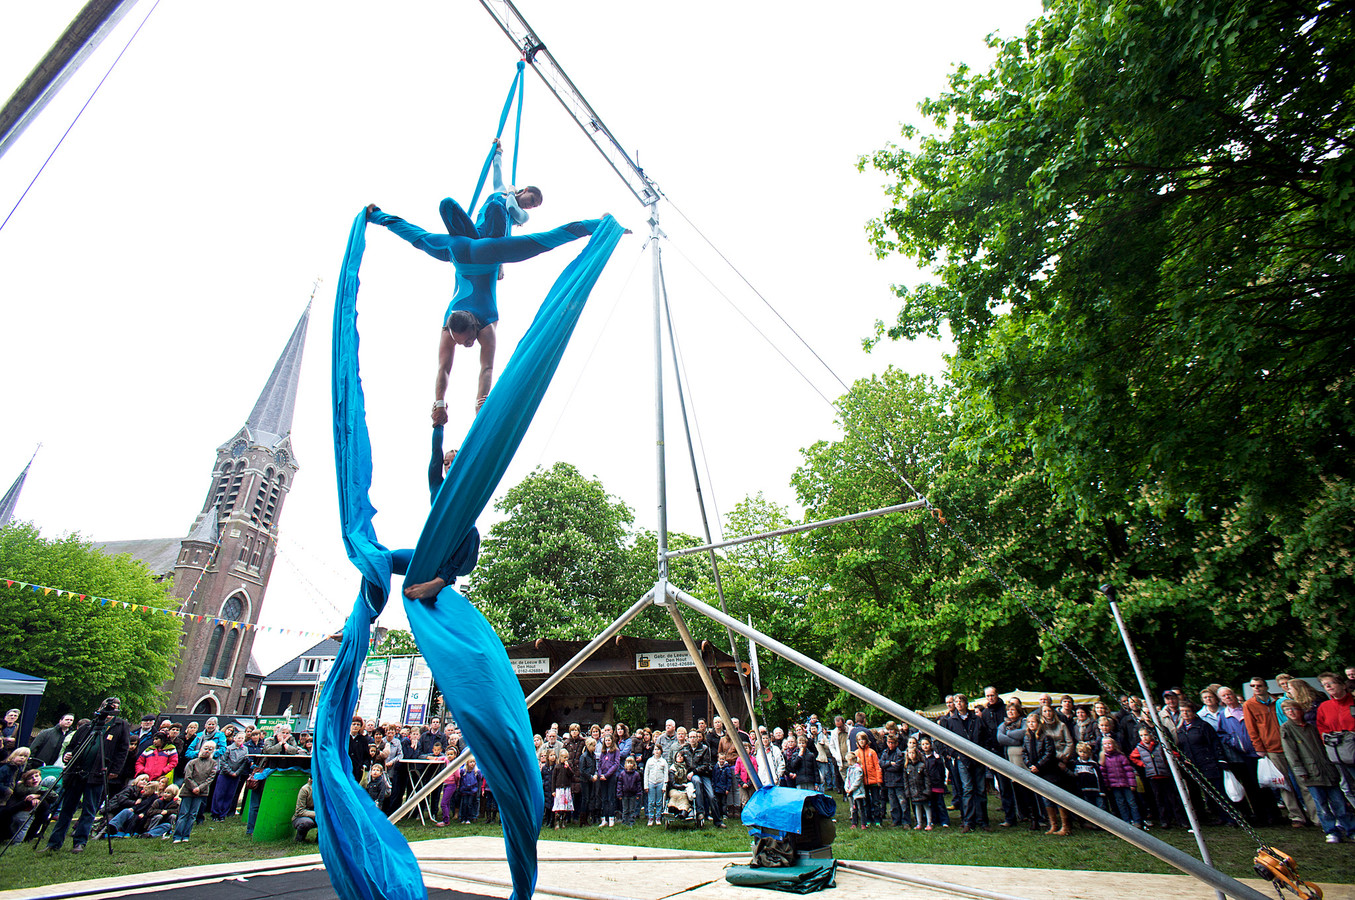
x: 277, y: 805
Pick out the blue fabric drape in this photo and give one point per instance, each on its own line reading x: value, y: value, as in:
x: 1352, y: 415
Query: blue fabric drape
x: 514, y: 88
x: 366, y: 856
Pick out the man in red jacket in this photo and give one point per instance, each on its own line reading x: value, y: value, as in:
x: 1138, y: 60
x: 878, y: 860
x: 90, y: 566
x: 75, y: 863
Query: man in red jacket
x: 1336, y: 725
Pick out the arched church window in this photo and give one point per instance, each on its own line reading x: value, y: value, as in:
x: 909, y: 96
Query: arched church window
x: 213, y: 648
x: 261, y: 496
x: 228, y: 653
x: 232, y: 609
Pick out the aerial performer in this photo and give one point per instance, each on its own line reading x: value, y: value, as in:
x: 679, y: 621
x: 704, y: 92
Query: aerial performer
x: 463, y: 558
x: 471, y: 316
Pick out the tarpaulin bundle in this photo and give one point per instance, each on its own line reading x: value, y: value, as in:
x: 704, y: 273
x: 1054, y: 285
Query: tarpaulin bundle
x: 364, y: 853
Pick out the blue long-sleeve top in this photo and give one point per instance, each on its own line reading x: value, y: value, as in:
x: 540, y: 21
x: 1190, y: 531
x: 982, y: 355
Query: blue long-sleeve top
x: 477, y: 261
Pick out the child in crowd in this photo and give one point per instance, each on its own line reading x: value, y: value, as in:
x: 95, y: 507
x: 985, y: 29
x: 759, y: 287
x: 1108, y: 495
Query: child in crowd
x: 936, y: 777
x: 681, y: 791
x: 377, y: 784
x: 721, y: 778
x: 1151, y: 761
x: 547, y: 758
x: 656, y: 778
x: 869, y: 761
x: 854, y: 786
x: 1091, y: 783
x: 198, y: 777
x: 11, y: 769
x: 469, y: 789
x: 629, y: 785
x: 24, y: 806
x: 917, y: 786
x: 1119, y: 774
x: 562, y: 783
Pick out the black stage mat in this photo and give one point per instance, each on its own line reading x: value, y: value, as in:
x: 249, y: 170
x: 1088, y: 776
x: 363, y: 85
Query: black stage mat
x: 312, y: 884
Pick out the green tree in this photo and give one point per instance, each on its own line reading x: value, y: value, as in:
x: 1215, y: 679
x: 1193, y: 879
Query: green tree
x: 397, y: 642
x: 86, y: 650
x: 556, y: 566
x: 766, y: 580
x: 889, y: 595
x: 1139, y: 226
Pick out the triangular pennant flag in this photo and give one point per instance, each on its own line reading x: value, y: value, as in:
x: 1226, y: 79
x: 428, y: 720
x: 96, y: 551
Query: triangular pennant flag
x: 8, y: 583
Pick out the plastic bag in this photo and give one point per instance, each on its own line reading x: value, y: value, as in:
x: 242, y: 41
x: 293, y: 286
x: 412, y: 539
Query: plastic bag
x: 1232, y: 787
x: 1268, y: 775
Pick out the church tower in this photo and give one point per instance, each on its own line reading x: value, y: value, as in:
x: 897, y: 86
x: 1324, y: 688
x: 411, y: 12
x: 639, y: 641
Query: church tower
x: 224, y: 564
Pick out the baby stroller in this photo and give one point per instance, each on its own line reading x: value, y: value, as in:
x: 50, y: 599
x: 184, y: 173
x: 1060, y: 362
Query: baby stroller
x: 680, y: 809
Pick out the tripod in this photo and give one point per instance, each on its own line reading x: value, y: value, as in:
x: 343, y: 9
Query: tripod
x: 103, y: 720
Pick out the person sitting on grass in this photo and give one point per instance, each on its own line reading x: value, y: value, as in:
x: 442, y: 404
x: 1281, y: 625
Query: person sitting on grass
x: 303, y: 819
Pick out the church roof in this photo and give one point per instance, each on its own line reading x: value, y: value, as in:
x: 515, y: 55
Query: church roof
x: 159, y: 554
x: 206, y: 529
x: 11, y: 498
x: 271, y: 419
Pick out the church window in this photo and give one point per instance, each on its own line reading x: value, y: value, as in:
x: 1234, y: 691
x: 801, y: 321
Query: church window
x: 232, y: 608
x: 213, y: 648
x: 228, y: 653
x: 236, y: 481
x: 261, y: 496
x: 245, y: 546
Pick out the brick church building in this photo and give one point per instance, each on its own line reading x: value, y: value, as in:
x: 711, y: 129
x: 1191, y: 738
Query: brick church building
x: 221, y: 568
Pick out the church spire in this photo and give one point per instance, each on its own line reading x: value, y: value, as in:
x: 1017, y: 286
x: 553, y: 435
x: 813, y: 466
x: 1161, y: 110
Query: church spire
x: 11, y: 498
x: 271, y: 419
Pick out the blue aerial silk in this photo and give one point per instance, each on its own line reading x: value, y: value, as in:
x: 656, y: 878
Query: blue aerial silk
x: 366, y: 857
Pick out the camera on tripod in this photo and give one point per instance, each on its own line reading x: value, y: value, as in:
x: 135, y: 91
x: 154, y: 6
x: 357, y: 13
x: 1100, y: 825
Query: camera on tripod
x: 108, y: 709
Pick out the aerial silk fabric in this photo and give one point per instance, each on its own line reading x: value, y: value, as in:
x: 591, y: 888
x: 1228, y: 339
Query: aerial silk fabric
x: 366, y: 857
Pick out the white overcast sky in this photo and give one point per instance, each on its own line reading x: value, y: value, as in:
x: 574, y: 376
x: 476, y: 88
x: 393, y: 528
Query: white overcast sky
x: 152, y: 274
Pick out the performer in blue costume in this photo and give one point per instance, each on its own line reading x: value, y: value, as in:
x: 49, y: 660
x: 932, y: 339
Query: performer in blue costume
x: 366, y: 857
x: 503, y: 205
x: 471, y: 316
x: 463, y: 559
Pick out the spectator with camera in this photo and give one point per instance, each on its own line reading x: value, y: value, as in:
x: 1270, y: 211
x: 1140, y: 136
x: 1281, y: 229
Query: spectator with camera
x: 100, y: 747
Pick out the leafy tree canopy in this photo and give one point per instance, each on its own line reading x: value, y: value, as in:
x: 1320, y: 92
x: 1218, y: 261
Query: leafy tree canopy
x: 1139, y: 224
x: 397, y: 642
x: 85, y: 650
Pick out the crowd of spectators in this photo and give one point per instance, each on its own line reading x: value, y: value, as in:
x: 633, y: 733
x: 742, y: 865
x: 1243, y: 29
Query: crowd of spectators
x: 1262, y: 761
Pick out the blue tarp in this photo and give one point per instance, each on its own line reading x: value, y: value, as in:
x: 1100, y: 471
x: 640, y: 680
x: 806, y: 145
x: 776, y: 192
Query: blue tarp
x: 366, y: 856
x: 778, y: 809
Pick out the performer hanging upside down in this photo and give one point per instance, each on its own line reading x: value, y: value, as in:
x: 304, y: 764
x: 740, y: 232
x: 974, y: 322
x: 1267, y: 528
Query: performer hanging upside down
x: 463, y: 559
x: 471, y: 316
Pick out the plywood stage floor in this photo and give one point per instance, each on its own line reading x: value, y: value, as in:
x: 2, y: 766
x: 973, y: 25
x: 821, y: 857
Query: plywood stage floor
x: 473, y: 867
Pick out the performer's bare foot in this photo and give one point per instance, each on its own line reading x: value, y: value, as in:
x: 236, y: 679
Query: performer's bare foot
x: 425, y: 591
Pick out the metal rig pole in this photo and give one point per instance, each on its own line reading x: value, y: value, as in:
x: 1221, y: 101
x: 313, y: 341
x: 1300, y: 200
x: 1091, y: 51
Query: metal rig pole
x: 660, y: 589
x: 1172, y: 764
x: 1123, y: 830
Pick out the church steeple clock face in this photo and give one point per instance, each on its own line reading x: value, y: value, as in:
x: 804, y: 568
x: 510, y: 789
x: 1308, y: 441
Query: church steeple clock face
x: 281, y: 457
x: 239, y: 448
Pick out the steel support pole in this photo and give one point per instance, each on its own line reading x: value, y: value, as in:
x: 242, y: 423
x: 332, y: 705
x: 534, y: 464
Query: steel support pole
x: 1172, y: 763
x: 714, y: 692
x: 654, y: 235
x: 1141, y: 839
x: 796, y: 529
x: 544, y: 688
x: 908, y: 878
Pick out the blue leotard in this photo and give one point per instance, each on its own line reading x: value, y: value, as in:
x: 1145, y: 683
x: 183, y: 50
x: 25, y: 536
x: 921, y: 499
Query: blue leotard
x: 477, y: 260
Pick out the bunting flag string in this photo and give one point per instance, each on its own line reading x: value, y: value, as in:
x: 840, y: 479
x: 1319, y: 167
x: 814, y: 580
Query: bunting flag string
x: 46, y: 591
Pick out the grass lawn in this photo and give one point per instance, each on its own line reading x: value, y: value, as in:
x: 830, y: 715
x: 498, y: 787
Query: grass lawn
x: 215, y: 843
